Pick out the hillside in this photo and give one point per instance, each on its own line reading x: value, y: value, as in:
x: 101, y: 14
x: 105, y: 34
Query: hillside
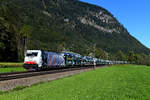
x: 67, y: 25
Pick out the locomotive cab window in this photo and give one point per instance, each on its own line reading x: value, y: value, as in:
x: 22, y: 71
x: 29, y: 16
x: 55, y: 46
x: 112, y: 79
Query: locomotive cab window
x: 32, y: 54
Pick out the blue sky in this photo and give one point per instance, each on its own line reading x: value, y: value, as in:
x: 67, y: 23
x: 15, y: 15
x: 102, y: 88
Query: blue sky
x: 133, y: 14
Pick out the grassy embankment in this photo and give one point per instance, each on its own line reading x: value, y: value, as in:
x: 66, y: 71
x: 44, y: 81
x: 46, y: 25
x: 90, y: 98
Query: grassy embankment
x: 122, y: 82
x: 11, y: 67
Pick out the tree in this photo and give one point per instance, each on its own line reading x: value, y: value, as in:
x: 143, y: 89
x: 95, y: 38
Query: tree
x: 11, y: 20
x: 99, y: 53
x: 131, y: 57
x: 24, y: 33
x: 121, y: 56
x: 7, y: 34
x: 44, y: 4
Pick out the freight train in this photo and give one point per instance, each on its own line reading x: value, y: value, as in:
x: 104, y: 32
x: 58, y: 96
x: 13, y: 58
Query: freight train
x: 40, y: 59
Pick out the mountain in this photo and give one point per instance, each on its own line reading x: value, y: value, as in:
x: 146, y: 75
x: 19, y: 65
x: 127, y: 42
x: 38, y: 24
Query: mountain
x: 70, y: 25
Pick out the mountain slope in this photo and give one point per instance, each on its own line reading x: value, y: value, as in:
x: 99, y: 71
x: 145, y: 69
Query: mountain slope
x: 73, y: 25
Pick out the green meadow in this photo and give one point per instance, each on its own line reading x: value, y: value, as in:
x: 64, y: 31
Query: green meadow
x: 118, y: 82
x: 11, y: 67
x: 10, y: 64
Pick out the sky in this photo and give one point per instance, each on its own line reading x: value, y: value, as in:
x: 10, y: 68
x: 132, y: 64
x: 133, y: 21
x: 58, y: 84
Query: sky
x: 133, y: 14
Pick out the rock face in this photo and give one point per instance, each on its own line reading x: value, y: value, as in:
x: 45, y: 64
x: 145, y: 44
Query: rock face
x: 74, y: 25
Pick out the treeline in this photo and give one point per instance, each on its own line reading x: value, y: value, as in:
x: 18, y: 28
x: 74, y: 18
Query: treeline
x: 13, y: 33
x: 131, y: 57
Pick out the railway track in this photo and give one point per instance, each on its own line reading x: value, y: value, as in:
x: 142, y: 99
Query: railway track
x: 18, y: 75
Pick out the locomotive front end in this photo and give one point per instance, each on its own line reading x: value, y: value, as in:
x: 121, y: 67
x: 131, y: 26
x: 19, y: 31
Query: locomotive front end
x: 33, y: 60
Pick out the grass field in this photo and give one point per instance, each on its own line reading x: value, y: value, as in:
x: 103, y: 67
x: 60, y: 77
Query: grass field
x: 10, y: 64
x: 11, y: 69
x: 122, y: 82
